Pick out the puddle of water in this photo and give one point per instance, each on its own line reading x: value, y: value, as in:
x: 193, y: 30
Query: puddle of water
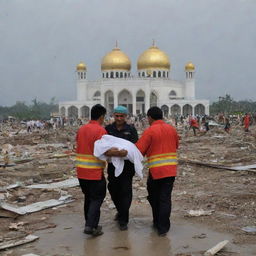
x: 67, y: 239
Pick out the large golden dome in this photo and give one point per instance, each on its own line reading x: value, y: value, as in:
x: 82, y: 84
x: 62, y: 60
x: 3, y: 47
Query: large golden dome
x: 153, y: 58
x: 116, y: 60
x: 190, y: 66
x: 81, y: 66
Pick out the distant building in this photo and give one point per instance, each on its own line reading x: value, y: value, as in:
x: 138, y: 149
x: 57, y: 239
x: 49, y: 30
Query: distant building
x: 151, y: 86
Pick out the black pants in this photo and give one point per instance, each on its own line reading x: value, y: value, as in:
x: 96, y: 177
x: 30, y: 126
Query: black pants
x: 120, y: 189
x: 159, y: 197
x: 94, y: 194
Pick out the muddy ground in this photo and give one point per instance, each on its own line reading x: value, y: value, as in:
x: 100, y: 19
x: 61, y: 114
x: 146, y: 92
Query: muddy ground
x: 228, y: 197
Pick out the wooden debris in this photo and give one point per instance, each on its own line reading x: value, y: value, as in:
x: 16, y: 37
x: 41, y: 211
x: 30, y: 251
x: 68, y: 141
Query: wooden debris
x: 216, y: 248
x: 10, y: 244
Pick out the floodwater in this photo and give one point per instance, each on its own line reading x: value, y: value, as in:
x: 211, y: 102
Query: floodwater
x: 140, y: 239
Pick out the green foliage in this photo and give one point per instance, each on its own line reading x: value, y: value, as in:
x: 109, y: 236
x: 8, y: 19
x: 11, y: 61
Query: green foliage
x: 37, y: 110
x: 228, y: 105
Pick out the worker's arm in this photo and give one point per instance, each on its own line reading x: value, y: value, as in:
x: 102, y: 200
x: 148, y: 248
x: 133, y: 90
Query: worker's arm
x: 144, y: 142
x: 116, y: 152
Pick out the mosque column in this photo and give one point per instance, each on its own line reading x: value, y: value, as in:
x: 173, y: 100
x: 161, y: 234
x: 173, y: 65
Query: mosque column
x: 147, y: 102
x: 115, y: 99
x: 79, y: 112
x: 134, y: 103
x: 193, y: 110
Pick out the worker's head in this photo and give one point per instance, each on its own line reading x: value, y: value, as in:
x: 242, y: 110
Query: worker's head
x: 120, y: 114
x: 98, y: 113
x: 153, y: 114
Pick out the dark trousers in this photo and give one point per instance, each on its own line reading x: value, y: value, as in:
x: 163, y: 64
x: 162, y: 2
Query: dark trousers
x: 94, y: 194
x: 120, y: 189
x: 159, y: 197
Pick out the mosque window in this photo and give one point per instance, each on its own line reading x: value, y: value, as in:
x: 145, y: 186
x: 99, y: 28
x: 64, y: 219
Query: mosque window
x: 111, y: 74
x: 164, y: 74
x: 117, y: 74
x: 172, y: 94
x: 139, y: 74
x: 125, y: 75
x: 84, y: 75
x: 154, y: 74
x: 103, y: 75
x: 159, y: 73
x: 81, y: 75
x: 121, y: 74
x: 106, y: 75
x: 143, y: 74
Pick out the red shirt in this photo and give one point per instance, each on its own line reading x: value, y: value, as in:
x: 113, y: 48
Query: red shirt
x: 89, y: 167
x: 159, y: 143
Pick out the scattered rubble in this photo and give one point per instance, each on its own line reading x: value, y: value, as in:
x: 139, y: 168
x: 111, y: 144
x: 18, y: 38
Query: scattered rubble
x: 216, y: 173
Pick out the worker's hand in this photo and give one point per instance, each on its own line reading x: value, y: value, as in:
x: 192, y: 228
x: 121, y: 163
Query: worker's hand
x: 123, y: 153
x: 112, y: 152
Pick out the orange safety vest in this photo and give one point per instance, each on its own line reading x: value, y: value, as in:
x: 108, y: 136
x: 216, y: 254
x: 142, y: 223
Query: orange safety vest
x: 159, y: 143
x: 89, y: 167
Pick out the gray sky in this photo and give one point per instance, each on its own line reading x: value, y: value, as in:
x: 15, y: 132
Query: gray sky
x: 42, y: 41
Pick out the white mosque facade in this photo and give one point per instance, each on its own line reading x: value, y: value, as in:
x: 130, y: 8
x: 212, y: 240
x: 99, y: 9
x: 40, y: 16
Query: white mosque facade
x: 151, y: 86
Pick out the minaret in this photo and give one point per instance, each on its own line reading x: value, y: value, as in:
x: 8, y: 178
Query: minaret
x: 190, y: 81
x: 81, y: 81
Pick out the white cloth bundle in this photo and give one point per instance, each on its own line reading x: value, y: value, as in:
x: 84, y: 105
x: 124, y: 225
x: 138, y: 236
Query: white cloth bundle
x: 108, y: 141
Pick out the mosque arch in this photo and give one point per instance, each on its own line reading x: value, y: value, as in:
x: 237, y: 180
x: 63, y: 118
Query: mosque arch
x: 199, y: 109
x: 140, y: 102
x: 154, y: 73
x: 125, y: 99
x: 73, y: 112
x: 62, y: 111
x: 187, y: 110
x: 109, y: 101
x: 163, y: 73
x: 111, y: 74
x: 85, y: 112
x: 143, y: 74
x: 175, y: 110
x: 165, y: 110
x: 159, y: 73
x: 172, y: 94
x: 153, y: 99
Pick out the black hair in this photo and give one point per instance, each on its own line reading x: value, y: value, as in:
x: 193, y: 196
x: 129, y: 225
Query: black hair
x: 155, y: 113
x: 97, y: 111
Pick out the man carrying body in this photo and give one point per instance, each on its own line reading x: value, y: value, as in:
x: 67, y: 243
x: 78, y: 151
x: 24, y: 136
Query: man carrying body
x: 120, y: 188
x: 90, y: 169
x: 159, y: 143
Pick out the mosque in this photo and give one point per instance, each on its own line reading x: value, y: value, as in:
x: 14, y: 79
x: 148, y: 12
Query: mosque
x: 152, y: 85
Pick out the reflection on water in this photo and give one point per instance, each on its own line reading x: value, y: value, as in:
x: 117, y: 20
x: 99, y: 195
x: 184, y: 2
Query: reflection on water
x: 140, y: 239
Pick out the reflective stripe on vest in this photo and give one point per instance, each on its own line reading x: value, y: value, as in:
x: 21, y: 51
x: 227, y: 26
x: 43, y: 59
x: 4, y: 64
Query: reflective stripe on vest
x: 162, y: 160
x: 89, y: 162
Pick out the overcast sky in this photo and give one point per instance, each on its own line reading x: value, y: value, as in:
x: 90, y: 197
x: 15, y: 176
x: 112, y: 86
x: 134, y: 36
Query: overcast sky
x: 42, y: 41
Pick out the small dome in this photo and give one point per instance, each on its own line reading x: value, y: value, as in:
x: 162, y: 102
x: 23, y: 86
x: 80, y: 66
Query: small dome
x: 81, y: 66
x: 189, y: 66
x: 116, y: 60
x: 153, y: 58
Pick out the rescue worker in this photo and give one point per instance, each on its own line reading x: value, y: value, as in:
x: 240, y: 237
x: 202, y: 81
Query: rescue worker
x: 159, y: 143
x: 194, y: 125
x: 246, y: 122
x: 90, y: 169
x: 120, y: 188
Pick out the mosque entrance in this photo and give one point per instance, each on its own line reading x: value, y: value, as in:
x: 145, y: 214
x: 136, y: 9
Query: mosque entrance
x: 125, y: 99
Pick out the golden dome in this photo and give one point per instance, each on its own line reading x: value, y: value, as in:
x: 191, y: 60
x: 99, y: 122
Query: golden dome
x: 116, y: 60
x: 81, y: 66
x: 153, y: 58
x: 189, y: 66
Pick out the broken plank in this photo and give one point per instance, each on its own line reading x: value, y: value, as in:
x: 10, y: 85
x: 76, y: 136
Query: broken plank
x: 10, y: 244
